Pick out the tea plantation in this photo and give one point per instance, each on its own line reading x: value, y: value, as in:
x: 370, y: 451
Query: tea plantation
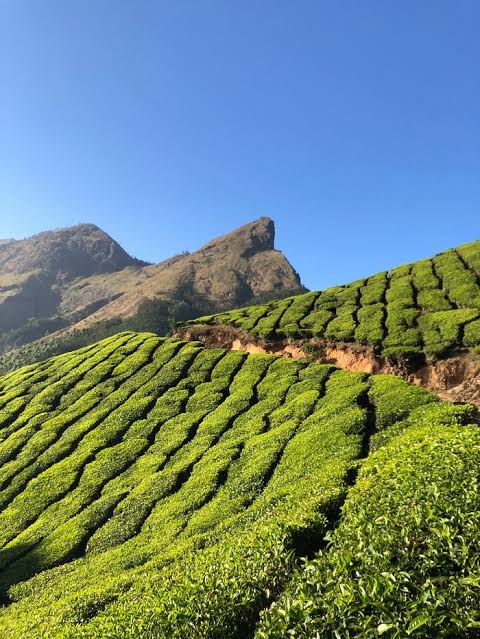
x: 429, y: 307
x: 153, y: 488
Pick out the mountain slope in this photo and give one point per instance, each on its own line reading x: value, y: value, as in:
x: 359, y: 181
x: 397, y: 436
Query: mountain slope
x: 151, y: 487
x: 226, y: 272
x: 65, y: 253
x: 76, y: 278
x: 32, y: 270
x: 397, y: 320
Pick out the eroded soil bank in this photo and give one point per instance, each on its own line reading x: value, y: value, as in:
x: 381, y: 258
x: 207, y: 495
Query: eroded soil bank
x: 455, y: 379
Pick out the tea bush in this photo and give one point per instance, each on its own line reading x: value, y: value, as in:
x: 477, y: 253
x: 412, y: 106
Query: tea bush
x: 404, y: 560
x: 155, y: 488
x: 178, y: 448
x: 422, y: 308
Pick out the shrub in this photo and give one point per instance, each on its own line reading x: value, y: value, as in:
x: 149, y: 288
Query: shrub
x: 342, y: 327
x: 459, y: 282
x: 471, y: 336
x: 394, y: 398
x: 471, y: 254
x: 397, y: 312
x: 370, y: 329
x: 441, y: 331
x: 432, y: 301
x: 404, y: 560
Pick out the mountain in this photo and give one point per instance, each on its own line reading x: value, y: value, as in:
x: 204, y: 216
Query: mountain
x: 78, y: 277
x: 155, y: 488
x: 228, y: 271
x: 34, y: 271
x: 421, y: 320
x: 65, y: 253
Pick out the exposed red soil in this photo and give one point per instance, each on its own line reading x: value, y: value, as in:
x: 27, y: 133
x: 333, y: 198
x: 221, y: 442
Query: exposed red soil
x: 456, y: 378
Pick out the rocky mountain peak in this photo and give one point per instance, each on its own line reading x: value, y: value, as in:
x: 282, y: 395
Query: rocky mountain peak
x: 246, y: 240
x: 70, y: 252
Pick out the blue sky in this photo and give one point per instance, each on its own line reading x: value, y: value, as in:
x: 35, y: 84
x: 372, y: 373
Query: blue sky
x: 355, y: 125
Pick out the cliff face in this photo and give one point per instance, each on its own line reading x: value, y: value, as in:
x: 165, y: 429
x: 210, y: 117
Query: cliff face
x: 80, y: 275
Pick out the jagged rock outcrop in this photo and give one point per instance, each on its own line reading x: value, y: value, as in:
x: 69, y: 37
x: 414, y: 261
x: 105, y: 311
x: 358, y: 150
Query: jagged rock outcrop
x: 227, y: 272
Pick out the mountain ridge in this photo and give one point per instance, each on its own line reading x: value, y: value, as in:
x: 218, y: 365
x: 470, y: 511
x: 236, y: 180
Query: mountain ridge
x: 74, y: 278
x: 60, y: 252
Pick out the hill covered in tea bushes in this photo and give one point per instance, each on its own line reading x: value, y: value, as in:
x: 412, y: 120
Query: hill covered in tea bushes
x: 154, y: 488
x: 428, y: 308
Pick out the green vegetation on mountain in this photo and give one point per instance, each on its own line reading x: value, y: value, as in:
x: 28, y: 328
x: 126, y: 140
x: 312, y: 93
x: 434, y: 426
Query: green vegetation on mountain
x: 154, y: 488
x: 429, y: 307
x: 156, y: 315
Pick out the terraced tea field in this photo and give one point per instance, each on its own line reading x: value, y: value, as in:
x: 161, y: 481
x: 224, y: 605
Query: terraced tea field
x: 431, y: 307
x: 151, y: 487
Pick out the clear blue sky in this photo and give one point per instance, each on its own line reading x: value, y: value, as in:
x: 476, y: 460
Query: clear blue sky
x: 354, y: 124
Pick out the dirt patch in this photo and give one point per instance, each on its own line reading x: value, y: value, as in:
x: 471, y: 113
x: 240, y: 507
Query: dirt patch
x: 455, y: 379
x: 352, y: 359
x: 284, y: 350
